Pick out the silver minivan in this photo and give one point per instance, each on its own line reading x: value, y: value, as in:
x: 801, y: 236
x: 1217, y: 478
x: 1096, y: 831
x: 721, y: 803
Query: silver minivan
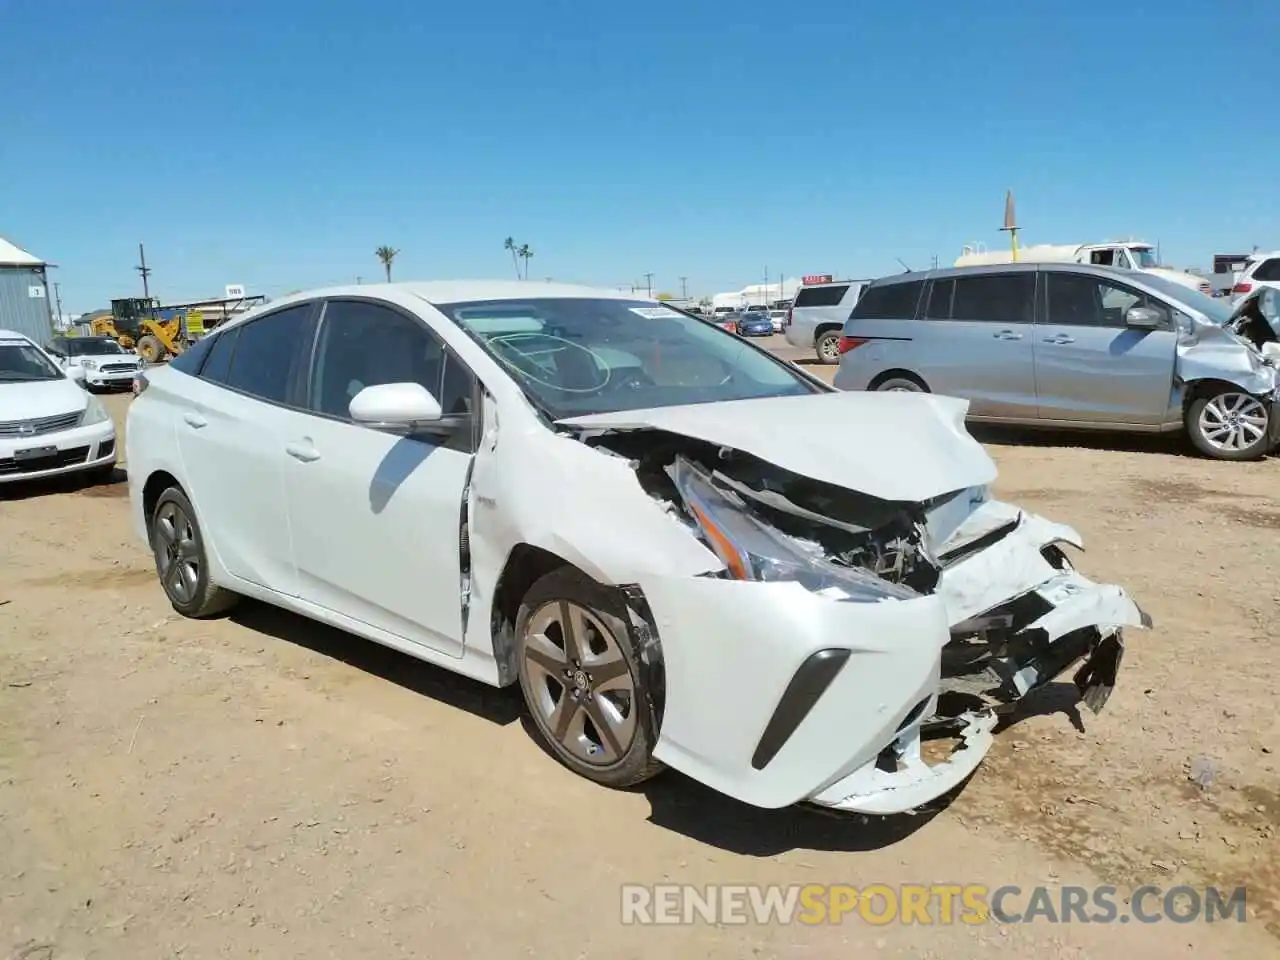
x: 1068, y: 346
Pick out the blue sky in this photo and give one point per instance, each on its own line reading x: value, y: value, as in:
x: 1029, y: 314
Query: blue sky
x: 277, y: 144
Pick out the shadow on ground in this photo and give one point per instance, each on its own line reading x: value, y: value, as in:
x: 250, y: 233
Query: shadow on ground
x: 115, y: 485
x: 1170, y: 444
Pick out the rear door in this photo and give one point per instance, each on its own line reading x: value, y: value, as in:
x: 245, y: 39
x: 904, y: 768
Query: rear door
x: 1089, y: 365
x: 234, y: 416
x: 974, y: 340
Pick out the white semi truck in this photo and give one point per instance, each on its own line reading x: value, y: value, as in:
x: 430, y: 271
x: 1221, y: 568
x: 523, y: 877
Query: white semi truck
x: 1123, y: 254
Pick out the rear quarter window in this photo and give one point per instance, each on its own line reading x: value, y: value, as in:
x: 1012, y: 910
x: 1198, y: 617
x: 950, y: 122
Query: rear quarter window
x: 821, y: 296
x: 889, y: 301
x: 1268, y: 270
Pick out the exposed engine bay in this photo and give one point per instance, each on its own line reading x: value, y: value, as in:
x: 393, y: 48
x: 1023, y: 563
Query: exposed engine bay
x: 853, y: 546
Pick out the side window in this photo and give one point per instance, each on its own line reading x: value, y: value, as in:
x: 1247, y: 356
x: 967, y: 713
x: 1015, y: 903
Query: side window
x: 995, y: 297
x: 894, y: 301
x: 821, y: 296
x: 1268, y: 270
x: 189, y: 360
x: 1102, y: 258
x: 1080, y: 301
x: 268, y: 352
x: 939, y: 307
x: 218, y: 363
x: 364, y: 344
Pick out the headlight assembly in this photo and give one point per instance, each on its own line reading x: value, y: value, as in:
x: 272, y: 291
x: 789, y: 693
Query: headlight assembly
x: 94, y: 412
x: 752, y: 550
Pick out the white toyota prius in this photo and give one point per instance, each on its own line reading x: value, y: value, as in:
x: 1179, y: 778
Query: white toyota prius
x: 685, y: 551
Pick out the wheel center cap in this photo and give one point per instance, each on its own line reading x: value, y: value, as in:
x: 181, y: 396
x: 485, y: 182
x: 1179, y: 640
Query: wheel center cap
x: 580, y: 680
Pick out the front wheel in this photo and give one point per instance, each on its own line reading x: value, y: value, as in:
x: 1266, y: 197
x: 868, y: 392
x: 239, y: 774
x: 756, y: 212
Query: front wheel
x: 828, y: 346
x: 150, y: 349
x: 582, y: 679
x: 1229, y: 424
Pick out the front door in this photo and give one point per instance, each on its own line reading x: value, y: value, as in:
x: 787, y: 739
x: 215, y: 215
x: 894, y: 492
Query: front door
x: 974, y: 341
x: 376, y: 518
x: 1089, y: 365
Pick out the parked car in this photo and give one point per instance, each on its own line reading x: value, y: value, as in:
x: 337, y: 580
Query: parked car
x: 1260, y: 270
x: 779, y: 319
x: 104, y: 363
x: 817, y: 315
x: 49, y: 425
x: 755, y: 325
x: 607, y: 502
x: 1067, y: 346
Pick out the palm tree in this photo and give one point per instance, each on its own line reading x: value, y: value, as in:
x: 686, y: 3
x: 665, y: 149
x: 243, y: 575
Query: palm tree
x: 386, y: 255
x: 525, y: 252
x: 510, y: 244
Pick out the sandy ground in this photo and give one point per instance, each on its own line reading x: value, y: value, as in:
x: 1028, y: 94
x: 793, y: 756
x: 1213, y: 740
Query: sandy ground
x: 264, y: 786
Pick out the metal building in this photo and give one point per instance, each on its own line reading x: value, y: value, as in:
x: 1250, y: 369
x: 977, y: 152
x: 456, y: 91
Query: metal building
x: 24, y: 294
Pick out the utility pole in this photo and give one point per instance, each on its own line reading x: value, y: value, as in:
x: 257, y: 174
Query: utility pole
x: 143, y: 269
x: 648, y: 283
x: 57, y: 299
x: 684, y: 288
x: 359, y: 280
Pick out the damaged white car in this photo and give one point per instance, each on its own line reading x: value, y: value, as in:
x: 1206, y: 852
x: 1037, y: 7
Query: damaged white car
x: 685, y: 551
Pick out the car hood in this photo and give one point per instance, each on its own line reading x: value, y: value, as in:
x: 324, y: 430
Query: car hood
x: 42, y: 398
x: 895, y: 446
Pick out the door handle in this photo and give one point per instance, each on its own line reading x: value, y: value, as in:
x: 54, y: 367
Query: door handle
x: 195, y: 420
x: 302, y: 450
x: 1060, y: 338
x: 1007, y: 335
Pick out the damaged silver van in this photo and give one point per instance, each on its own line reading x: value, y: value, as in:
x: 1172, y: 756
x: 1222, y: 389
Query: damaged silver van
x: 1069, y: 346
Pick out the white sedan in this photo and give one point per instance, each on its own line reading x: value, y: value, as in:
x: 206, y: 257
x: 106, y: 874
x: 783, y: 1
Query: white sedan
x: 686, y: 551
x: 49, y: 425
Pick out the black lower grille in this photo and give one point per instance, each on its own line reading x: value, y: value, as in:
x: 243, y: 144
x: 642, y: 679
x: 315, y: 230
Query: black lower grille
x: 106, y: 448
x: 59, y: 458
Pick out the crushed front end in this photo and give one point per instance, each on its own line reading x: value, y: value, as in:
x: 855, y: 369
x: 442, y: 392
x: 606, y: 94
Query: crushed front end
x: 843, y: 629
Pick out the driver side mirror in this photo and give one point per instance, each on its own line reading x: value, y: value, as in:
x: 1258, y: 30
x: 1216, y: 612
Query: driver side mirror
x: 1143, y: 318
x: 400, y: 408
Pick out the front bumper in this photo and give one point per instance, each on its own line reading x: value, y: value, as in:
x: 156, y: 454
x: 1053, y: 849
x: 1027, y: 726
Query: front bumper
x: 747, y: 712
x: 111, y: 379
x: 52, y: 454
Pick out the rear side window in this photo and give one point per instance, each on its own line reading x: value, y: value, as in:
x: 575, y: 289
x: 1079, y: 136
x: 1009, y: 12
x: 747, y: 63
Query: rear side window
x: 995, y: 298
x: 218, y: 363
x: 939, y: 306
x: 821, y: 296
x: 1268, y: 270
x: 889, y: 301
x: 189, y: 360
x: 267, y: 353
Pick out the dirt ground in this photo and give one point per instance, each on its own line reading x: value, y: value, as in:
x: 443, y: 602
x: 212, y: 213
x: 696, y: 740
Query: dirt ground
x: 265, y: 786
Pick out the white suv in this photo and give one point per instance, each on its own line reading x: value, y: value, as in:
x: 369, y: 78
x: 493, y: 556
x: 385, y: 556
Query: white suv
x: 1260, y: 270
x: 817, y: 316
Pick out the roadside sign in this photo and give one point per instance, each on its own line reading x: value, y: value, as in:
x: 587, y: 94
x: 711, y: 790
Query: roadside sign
x: 195, y: 321
x: 817, y: 278
x: 234, y: 291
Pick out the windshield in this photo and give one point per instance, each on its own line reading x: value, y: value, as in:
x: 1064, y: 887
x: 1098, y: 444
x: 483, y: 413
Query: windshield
x: 91, y: 347
x: 1144, y: 257
x: 1216, y: 310
x: 21, y: 363
x: 578, y: 356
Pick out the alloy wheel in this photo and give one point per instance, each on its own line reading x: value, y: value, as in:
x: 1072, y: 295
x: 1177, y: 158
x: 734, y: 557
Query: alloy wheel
x: 177, y: 556
x: 1233, y: 421
x: 583, y: 694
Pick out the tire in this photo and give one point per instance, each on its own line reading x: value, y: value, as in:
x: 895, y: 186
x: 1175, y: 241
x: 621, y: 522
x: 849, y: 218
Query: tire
x: 1229, y: 424
x: 150, y: 349
x: 901, y: 383
x: 581, y: 738
x: 827, y: 347
x: 182, y: 549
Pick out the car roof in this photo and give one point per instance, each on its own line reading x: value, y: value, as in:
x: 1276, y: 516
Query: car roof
x: 1022, y: 266
x: 15, y: 335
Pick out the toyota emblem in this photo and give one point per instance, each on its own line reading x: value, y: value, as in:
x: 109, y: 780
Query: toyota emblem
x: 26, y: 429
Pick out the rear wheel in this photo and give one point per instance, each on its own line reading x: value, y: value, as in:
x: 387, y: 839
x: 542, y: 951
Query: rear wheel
x: 582, y: 679
x: 1229, y: 424
x: 182, y: 562
x: 901, y: 383
x: 150, y: 349
x: 828, y: 346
